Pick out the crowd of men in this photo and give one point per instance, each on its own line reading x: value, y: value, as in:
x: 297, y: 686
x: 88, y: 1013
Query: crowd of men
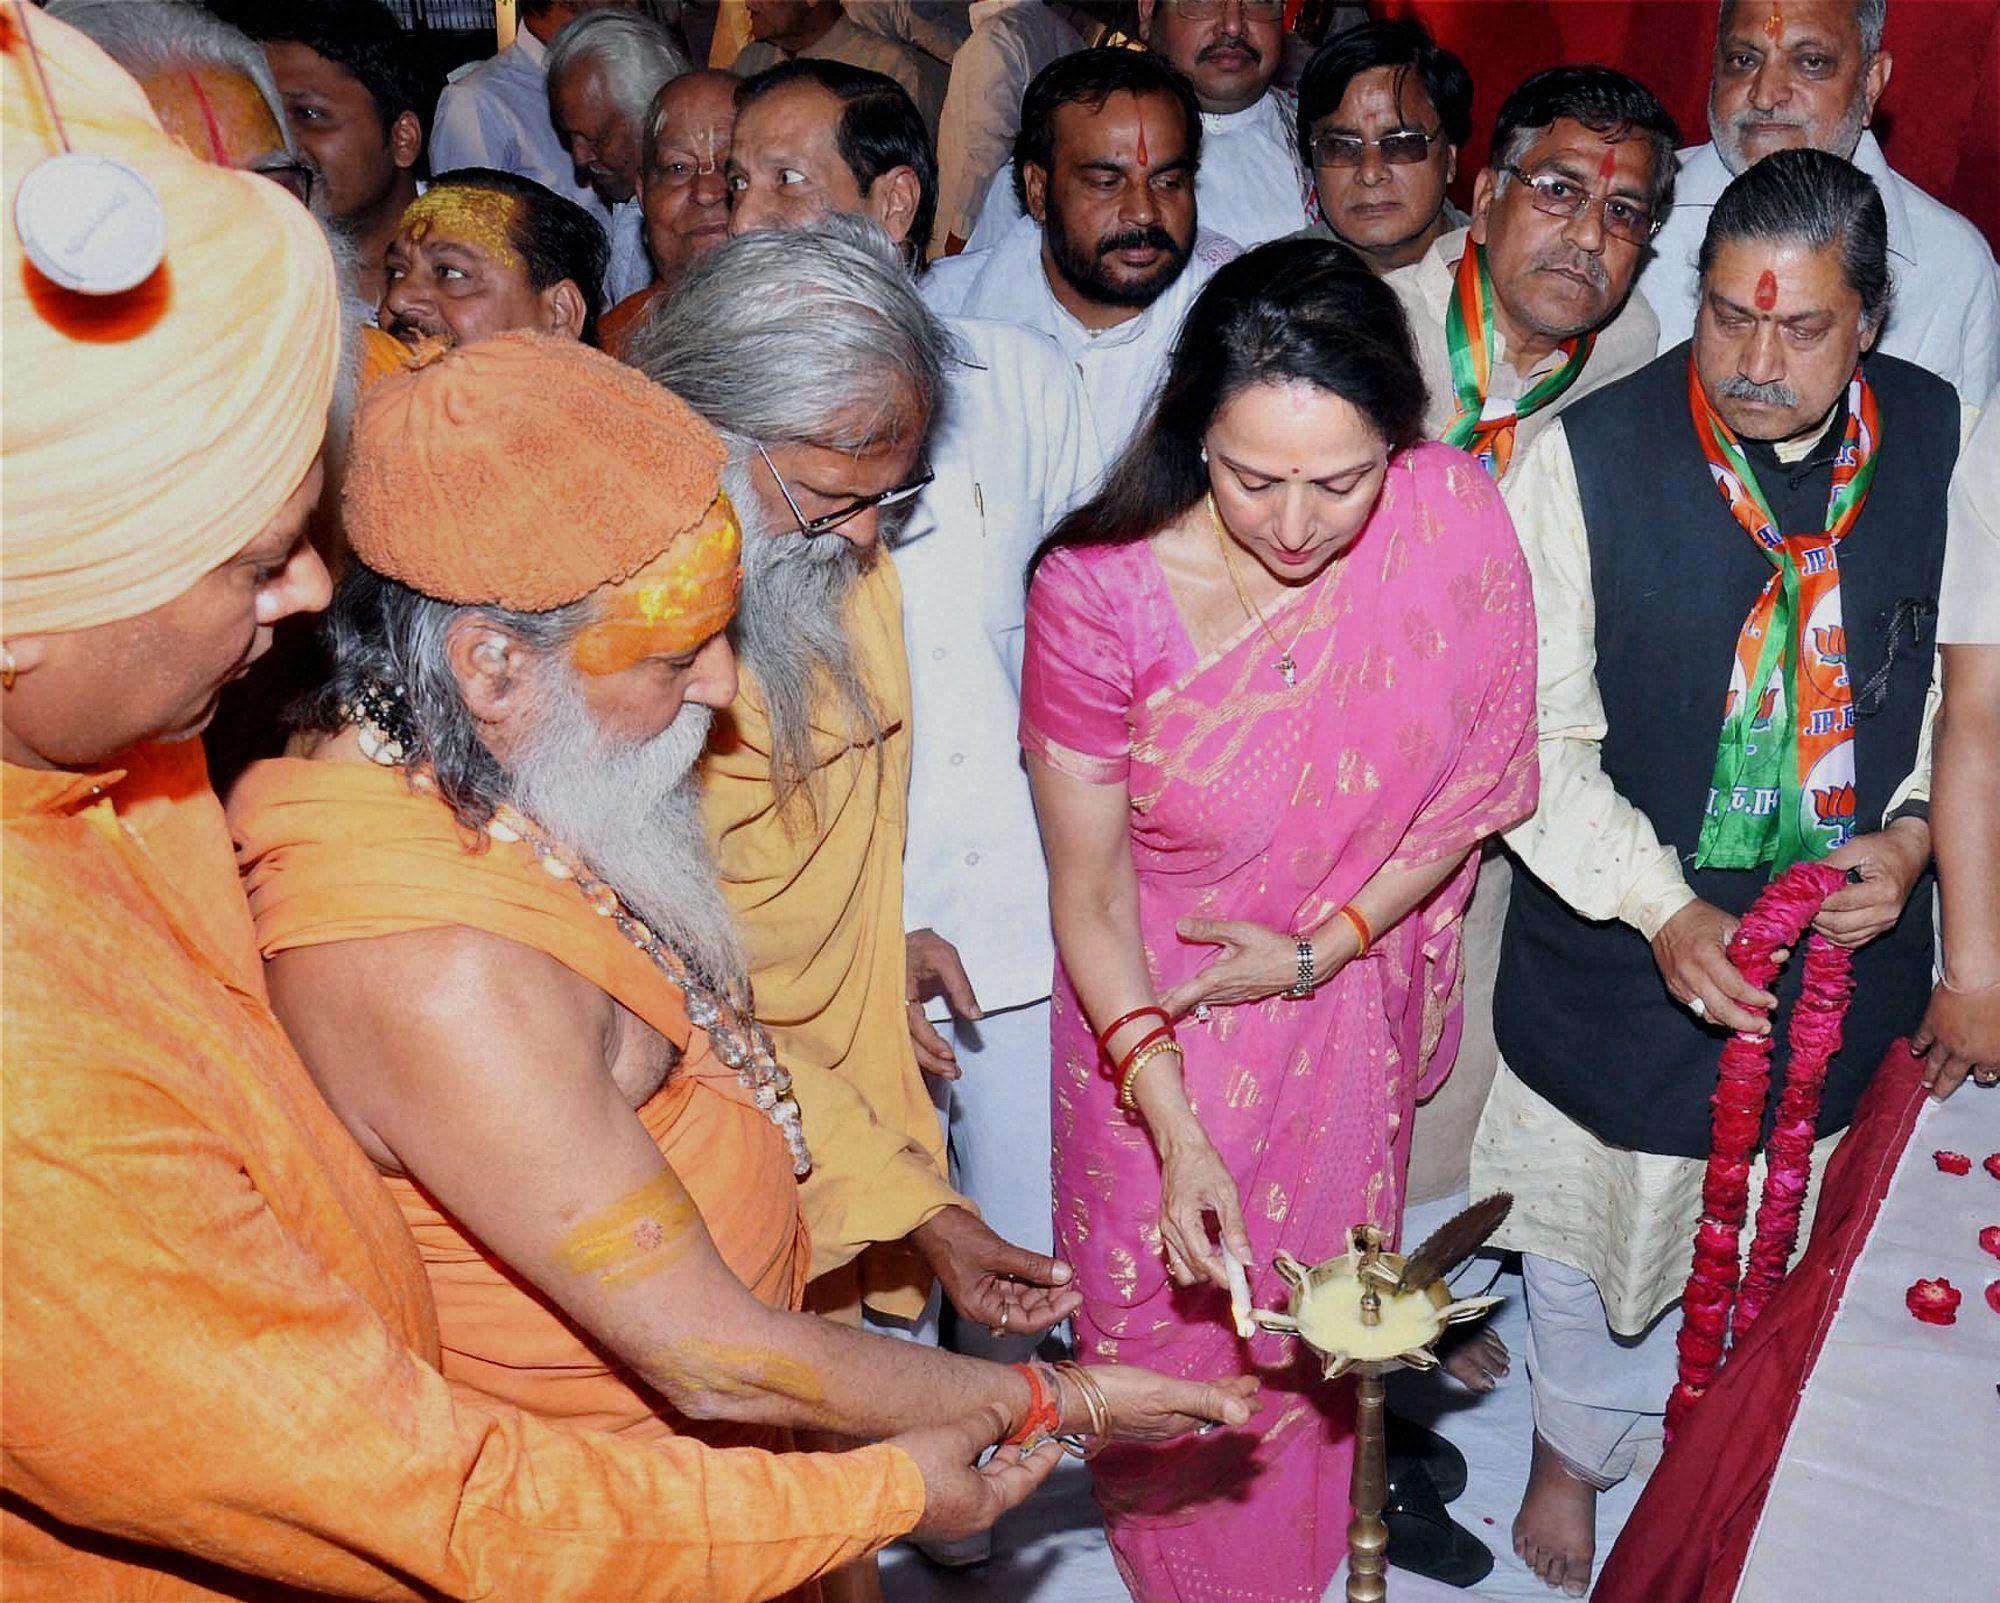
x: 899, y: 280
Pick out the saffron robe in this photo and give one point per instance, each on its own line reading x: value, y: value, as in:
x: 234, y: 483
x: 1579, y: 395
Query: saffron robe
x: 221, y: 1375
x: 819, y: 898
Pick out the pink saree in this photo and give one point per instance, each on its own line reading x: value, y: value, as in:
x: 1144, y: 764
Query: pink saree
x: 1410, y: 736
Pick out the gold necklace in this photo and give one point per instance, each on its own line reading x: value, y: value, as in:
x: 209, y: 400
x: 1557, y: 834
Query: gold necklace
x: 1287, y: 665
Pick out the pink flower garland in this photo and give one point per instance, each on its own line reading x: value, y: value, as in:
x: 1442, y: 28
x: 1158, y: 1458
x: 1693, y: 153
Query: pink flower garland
x: 1779, y: 917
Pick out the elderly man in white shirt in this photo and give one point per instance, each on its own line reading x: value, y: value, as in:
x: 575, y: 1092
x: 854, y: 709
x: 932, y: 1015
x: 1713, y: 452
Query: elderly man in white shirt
x: 1252, y: 188
x: 603, y: 72
x: 1012, y: 451
x: 1011, y: 41
x: 495, y: 113
x: 1110, y: 256
x: 1809, y: 72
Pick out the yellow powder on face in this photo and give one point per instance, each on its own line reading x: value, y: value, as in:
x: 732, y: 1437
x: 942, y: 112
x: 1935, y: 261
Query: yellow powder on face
x: 737, y: 1369
x: 674, y: 603
x: 639, y: 1235
x: 484, y: 219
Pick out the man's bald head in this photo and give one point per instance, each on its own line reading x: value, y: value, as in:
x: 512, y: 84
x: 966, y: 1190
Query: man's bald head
x: 685, y: 181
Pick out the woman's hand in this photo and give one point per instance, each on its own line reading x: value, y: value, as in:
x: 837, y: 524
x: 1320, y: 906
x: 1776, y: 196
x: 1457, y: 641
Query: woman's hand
x: 1150, y: 1407
x: 1255, y: 962
x: 1194, y: 1183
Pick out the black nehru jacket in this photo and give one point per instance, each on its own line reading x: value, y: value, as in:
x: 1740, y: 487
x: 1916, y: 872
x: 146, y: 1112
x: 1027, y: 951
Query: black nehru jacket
x: 1580, y: 1010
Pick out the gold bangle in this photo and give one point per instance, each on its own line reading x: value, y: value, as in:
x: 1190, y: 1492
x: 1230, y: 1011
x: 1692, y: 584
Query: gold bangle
x: 1099, y: 1435
x: 1140, y: 1059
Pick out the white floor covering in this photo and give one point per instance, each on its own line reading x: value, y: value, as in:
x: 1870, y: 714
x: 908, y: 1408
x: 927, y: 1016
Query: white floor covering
x: 1052, y: 1549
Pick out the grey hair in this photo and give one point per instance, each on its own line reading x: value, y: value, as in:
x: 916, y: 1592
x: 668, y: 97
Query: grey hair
x: 1870, y: 16
x: 385, y: 638
x: 148, y: 36
x: 637, y: 56
x: 805, y: 337
x: 1818, y: 200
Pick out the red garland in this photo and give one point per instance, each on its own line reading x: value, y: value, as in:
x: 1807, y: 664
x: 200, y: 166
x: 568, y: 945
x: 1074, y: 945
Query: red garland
x: 1775, y: 922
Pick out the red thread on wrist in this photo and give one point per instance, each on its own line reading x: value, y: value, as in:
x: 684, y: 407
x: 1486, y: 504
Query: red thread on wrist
x: 1044, y: 1417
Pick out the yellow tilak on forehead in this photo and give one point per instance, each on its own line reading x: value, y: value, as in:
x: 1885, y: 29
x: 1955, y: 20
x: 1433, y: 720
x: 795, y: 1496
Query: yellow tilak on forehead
x: 674, y: 603
x: 485, y: 219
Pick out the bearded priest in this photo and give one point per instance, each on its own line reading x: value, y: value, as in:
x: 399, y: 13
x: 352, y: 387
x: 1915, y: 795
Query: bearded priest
x: 1748, y: 531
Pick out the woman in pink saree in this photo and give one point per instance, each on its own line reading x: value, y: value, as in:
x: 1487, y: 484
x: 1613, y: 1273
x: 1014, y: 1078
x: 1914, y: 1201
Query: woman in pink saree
x: 1279, y: 684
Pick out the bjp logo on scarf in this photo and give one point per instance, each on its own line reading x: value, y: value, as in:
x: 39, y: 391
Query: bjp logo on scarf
x: 1766, y: 704
x: 1833, y: 806
x: 1831, y: 644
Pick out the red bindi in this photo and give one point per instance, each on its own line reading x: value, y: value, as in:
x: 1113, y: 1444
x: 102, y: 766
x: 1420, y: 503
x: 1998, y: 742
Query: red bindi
x: 1767, y: 290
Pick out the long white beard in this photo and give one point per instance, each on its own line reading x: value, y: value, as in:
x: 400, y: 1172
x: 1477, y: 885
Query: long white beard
x: 633, y: 813
x: 792, y: 628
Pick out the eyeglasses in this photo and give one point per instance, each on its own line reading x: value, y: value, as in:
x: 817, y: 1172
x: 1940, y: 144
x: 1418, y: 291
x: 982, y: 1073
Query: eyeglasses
x: 827, y: 522
x: 1400, y: 149
x: 1209, y: 10
x: 294, y: 177
x: 1556, y: 196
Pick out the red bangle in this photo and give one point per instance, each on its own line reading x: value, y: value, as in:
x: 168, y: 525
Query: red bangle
x: 1044, y: 1416
x: 1164, y: 1033
x: 1119, y: 1023
x: 1361, y: 930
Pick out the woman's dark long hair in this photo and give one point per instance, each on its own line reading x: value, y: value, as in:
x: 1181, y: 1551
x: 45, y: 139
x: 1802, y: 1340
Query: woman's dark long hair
x: 1293, y: 311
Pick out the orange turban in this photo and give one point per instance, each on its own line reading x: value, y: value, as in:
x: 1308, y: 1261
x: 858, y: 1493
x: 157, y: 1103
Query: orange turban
x: 149, y: 436
x: 526, y: 472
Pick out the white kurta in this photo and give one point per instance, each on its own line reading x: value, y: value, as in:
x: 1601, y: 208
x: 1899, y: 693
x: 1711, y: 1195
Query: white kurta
x: 1011, y: 41
x: 1947, y: 309
x: 1969, y: 592
x: 924, y: 77
x: 1120, y: 367
x: 1250, y: 187
x: 1015, y: 451
x: 496, y: 114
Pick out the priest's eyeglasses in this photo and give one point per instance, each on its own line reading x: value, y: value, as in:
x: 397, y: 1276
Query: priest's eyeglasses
x: 827, y: 522
x: 1400, y: 149
x: 1556, y: 196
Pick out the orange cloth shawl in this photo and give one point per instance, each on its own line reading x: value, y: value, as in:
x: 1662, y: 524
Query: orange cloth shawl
x: 220, y: 1348
x: 343, y: 851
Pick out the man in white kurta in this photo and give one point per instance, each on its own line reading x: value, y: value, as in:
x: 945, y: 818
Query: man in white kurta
x: 1016, y: 450
x: 495, y: 113
x: 1947, y: 314
x: 1011, y: 41
x: 1120, y: 367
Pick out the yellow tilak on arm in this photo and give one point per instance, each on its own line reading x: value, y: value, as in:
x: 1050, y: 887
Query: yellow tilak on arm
x: 642, y: 1233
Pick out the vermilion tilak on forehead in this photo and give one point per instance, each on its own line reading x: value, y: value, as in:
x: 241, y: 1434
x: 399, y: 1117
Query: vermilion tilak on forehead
x: 1774, y: 24
x: 1767, y: 290
x: 1142, y: 141
x: 221, y: 151
x: 1608, y: 165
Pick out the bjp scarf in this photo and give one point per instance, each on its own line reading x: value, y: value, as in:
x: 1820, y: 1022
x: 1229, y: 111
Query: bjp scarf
x: 1484, y: 423
x: 1783, y: 789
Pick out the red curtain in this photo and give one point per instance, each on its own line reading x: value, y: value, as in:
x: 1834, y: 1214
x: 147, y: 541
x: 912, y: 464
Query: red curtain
x: 1939, y: 119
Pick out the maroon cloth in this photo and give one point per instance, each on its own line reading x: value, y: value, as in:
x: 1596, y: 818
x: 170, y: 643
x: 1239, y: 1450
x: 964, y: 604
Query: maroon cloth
x: 1939, y: 120
x: 1690, y: 1531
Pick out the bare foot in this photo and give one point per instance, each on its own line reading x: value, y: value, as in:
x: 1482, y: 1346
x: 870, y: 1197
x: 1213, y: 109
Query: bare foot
x: 1556, y: 1531
x: 1477, y: 1362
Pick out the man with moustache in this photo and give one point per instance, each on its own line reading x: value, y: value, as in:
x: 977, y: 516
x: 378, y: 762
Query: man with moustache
x: 1763, y: 513
x: 1251, y: 188
x: 1519, y: 314
x: 806, y: 777
x: 1792, y: 73
x: 683, y: 189
x: 1109, y: 256
x: 1383, y: 110
x: 482, y: 252
x: 604, y: 70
